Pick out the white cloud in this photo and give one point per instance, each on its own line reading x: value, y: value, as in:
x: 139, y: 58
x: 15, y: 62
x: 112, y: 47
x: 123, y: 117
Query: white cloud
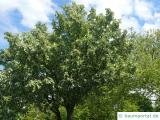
x: 130, y: 22
x: 119, y: 7
x: 149, y: 26
x: 32, y: 11
x: 157, y: 15
x: 7, y: 5
x: 144, y: 9
x: 129, y: 11
x: 154, y: 23
x: 123, y: 9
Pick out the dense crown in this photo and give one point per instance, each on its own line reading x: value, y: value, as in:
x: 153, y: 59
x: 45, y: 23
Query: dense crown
x: 84, y: 52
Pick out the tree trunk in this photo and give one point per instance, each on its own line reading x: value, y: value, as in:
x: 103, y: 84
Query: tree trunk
x: 69, y: 112
x: 58, y: 115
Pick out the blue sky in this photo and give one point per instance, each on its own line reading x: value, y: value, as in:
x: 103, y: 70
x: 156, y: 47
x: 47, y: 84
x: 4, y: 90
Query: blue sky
x: 21, y: 15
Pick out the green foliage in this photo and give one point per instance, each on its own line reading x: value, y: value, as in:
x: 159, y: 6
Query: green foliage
x: 33, y: 114
x: 147, y: 59
x: 144, y: 103
x: 84, y: 51
x: 106, y: 106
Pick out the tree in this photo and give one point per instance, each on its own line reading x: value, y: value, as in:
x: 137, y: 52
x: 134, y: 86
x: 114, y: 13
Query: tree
x: 84, y: 52
x: 146, y: 57
x: 24, y: 62
x: 144, y: 103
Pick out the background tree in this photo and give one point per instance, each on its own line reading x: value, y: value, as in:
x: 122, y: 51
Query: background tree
x: 25, y: 61
x: 146, y: 57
